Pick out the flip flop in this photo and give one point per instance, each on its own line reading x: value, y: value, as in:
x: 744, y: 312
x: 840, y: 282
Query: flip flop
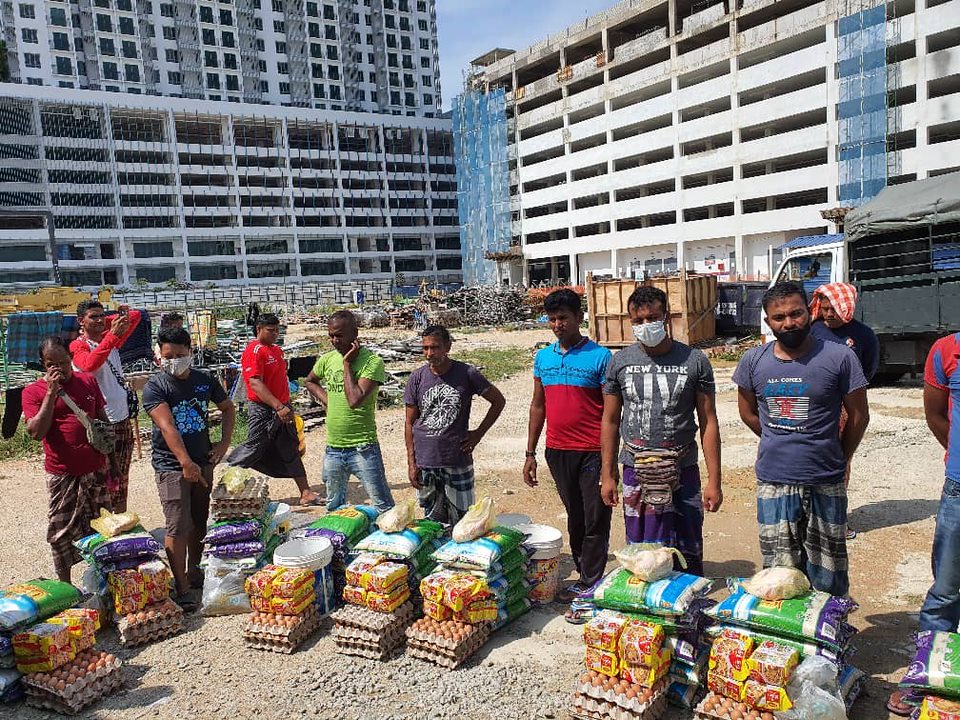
x: 897, y: 706
x: 577, y: 617
x: 316, y: 502
x: 851, y: 534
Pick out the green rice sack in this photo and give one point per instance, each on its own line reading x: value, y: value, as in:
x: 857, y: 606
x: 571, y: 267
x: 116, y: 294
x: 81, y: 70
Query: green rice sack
x: 34, y: 601
x: 936, y: 665
x: 353, y: 522
x: 622, y: 590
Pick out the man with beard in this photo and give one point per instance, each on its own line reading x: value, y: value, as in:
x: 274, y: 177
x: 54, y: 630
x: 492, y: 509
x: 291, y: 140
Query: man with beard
x: 437, y: 431
x: 790, y: 395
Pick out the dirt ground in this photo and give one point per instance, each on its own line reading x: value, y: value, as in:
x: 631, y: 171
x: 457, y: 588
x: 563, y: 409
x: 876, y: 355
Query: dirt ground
x: 895, y: 487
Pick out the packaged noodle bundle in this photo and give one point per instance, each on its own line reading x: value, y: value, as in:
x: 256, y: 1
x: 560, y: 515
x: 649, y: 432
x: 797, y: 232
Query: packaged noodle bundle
x: 82, y: 625
x: 32, y: 601
x: 816, y: 616
x: 284, y: 606
x: 805, y: 649
x: 673, y: 595
x: 936, y: 664
x: 724, y: 686
x: 156, y: 580
x: 385, y: 577
x: 43, y: 639
x: 938, y: 708
x: 387, y: 602
x: 728, y: 656
x: 354, y: 595
x: 431, y: 587
x: 604, y: 629
x: 462, y: 589
x: 362, y: 564
x: 640, y: 643
x: 648, y: 674
x: 772, y: 664
x: 602, y: 661
x: 125, y: 583
x: 479, y: 611
x: 766, y: 697
x: 437, y: 611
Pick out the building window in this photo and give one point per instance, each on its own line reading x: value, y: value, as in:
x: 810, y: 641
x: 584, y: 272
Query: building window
x: 172, y: 56
x: 328, y: 13
x: 316, y: 70
x: 332, y: 52
x: 210, y: 59
x: 27, y: 12
x: 333, y: 72
x: 206, y: 14
x: 426, y: 81
x: 405, y: 24
x: 394, y: 98
x: 104, y: 23
x: 106, y: 47
x: 316, y: 50
x: 111, y: 71
x: 281, y: 48
x: 64, y: 66
x: 173, y: 78
x: 233, y: 83
x: 424, y: 43
x: 58, y: 16
x: 283, y: 69
x: 166, y: 10
x: 312, y: 9
x: 132, y: 73
x: 277, y: 6
x: 227, y: 38
x: 125, y: 5
x: 213, y: 81
x: 29, y: 35
x: 284, y: 88
x: 258, y: 23
x: 410, y: 100
x: 427, y: 99
x: 230, y: 61
x: 313, y: 29
x: 264, y: 86
x: 126, y: 26
x: 405, y: 42
x: 391, y: 21
x: 335, y: 92
x: 61, y: 41
x: 278, y: 27
x: 34, y: 81
x: 330, y: 32
x: 261, y: 46
x: 209, y: 36
x: 129, y: 49
x: 169, y: 33
x: 425, y: 63
x: 392, y: 60
x: 226, y: 18
x: 262, y: 65
x: 319, y: 90
x: 31, y: 60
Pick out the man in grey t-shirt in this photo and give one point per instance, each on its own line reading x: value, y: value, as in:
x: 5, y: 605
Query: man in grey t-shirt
x: 657, y: 392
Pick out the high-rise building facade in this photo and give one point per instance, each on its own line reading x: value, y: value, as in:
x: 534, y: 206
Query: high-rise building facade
x: 706, y: 134
x: 355, y: 55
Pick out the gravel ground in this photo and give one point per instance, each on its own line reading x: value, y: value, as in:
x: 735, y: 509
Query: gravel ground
x: 527, y: 670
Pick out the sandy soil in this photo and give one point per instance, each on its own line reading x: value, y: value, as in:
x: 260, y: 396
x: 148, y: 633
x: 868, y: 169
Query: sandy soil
x: 895, y: 488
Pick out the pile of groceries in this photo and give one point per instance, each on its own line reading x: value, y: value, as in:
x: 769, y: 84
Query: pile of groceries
x: 780, y: 649
x: 127, y: 563
x: 48, y: 649
x: 933, y: 678
x: 245, y: 530
x: 645, y: 641
x: 284, y: 609
x: 479, y: 585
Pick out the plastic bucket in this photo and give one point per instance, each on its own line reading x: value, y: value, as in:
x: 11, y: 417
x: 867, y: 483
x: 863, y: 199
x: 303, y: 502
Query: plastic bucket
x: 512, y: 520
x: 543, y: 570
x: 311, y: 553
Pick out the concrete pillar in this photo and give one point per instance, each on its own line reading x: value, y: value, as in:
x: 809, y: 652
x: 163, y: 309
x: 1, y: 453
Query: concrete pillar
x: 554, y: 270
x: 741, y: 258
x: 681, y: 256
x: 574, y: 270
x: 615, y: 271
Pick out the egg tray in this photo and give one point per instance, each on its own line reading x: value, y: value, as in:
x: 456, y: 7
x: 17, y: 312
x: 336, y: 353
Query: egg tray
x: 589, y: 708
x: 366, y: 619
x: 263, y: 636
x: 419, y: 634
x: 373, y: 651
x: 255, y: 489
x: 700, y: 713
x: 266, y: 624
x: 444, y: 657
x: 136, y: 629
x: 79, y: 695
x: 392, y: 636
x: 609, y: 695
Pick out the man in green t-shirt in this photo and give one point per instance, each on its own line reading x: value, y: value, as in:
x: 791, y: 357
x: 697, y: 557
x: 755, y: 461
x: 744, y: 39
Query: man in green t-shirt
x: 345, y: 380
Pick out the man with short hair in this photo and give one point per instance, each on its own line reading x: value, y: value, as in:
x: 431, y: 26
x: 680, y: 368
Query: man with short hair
x: 346, y: 381
x: 658, y: 392
x: 440, y: 444
x: 97, y: 351
x: 791, y: 392
x: 183, y: 456
x: 76, y: 471
x: 568, y: 378
x: 272, y: 446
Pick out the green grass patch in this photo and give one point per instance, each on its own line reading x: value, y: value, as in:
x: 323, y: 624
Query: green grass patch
x: 498, y: 364
x: 20, y: 446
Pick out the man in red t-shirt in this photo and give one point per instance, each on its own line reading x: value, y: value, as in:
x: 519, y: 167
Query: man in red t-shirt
x: 75, y: 471
x: 272, y: 446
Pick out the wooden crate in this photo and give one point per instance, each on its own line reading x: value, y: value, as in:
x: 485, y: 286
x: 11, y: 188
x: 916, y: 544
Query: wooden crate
x: 691, y: 300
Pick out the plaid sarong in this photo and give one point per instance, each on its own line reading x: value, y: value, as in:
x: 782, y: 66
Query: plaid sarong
x: 446, y: 493
x: 805, y: 526
x: 25, y: 330
x: 119, y: 464
x: 75, y: 500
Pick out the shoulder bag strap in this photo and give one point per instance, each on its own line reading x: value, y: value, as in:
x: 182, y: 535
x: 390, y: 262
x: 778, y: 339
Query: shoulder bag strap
x: 119, y: 376
x: 75, y: 409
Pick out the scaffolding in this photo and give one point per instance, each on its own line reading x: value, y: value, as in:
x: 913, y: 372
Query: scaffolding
x: 483, y: 190
x: 862, y: 56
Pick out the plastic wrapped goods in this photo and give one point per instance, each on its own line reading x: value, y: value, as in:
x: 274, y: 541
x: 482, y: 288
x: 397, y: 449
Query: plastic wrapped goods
x: 29, y: 602
x: 777, y: 583
x: 478, y: 521
x: 673, y: 595
x: 648, y: 561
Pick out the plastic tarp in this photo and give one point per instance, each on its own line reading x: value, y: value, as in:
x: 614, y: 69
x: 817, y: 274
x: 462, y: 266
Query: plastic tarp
x: 901, y: 207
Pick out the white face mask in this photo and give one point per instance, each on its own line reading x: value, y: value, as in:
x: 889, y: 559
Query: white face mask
x: 650, y: 334
x: 176, y: 366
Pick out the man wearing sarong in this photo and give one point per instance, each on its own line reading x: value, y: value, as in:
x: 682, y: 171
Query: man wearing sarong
x: 272, y: 446
x: 790, y: 395
x: 659, y: 392
x: 440, y: 443
x: 76, y: 472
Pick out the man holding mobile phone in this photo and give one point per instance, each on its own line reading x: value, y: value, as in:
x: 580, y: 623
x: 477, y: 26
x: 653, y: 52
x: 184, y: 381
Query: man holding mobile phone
x: 346, y: 380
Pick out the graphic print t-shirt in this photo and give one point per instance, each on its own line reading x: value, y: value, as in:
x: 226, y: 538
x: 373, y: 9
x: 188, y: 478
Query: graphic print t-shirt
x: 188, y: 400
x: 659, y: 396
x: 444, y: 402
x: 799, y: 403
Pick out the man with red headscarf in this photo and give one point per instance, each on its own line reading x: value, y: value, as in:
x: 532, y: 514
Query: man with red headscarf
x: 831, y: 310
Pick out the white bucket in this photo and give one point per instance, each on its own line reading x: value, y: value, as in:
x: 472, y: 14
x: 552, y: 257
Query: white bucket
x: 311, y: 553
x: 543, y: 570
x: 512, y: 520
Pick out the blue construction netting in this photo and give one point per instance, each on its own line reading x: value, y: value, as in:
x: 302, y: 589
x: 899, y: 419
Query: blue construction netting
x: 483, y: 181
x: 862, y: 56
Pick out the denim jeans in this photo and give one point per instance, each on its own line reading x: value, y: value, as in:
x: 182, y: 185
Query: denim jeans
x: 366, y: 463
x: 941, y: 610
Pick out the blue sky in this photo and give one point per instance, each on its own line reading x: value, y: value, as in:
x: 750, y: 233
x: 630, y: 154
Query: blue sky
x: 468, y: 28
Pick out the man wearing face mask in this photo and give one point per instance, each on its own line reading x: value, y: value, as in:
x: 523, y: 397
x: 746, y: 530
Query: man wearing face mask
x: 791, y: 393
x: 658, y: 393
x: 183, y: 455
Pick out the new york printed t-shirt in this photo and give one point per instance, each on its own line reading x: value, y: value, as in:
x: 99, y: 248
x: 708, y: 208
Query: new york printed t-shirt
x: 444, y: 402
x: 942, y: 371
x: 350, y: 427
x: 799, y: 404
x: 573, y: 388
x: 659, y: 395
x: 66, y: 448
x: 188, y: 400
x: 265, y: 362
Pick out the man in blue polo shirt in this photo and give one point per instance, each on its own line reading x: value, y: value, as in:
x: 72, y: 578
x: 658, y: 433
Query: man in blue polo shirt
x: 568, y: 382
